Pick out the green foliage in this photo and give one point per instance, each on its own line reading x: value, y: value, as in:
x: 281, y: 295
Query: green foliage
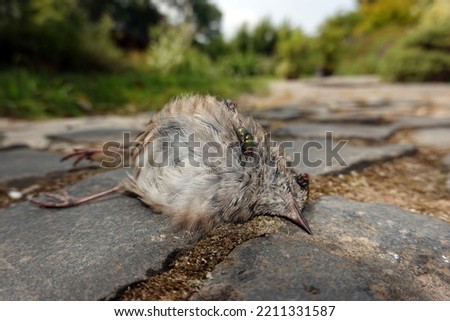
x: 364, y: 53
x: 264, y: 38
x: 58, y: 57
x: 40, y: 38
x: 249, y: 51
x: 382, y: 13
x: 98, y: 48
x: 422, y: 56
x: 172, y: 52
x: 242, y: 41
x: 433, y: 38
x: 83, y: 35
x: 294, y: 53
x: 216, y: 48
x: 266, y: 49
x: 246, y: 64
x: 131, y: 19
x: 415, y: 65
x: 261, y: 40
x: 434, y: 11
x: 334, y: 37
x: 27, y: 94
x: 169, y: 47
x: 195, y: 62
x: 357, y: 42
x: 207, y: 19
x: 54, y: 34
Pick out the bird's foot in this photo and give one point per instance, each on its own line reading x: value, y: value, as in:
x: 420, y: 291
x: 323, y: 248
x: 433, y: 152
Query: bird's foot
x: 52, y: 200
x: 81, y: 154
x: 64, y: 200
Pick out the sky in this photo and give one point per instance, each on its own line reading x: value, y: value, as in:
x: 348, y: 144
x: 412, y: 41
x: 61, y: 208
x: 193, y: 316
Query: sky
x: 308, y: 14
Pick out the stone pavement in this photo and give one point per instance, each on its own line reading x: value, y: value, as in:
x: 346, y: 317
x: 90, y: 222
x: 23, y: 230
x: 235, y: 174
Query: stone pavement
x: 356, y: 253
x: 82, y: 253
x: 359, y: 251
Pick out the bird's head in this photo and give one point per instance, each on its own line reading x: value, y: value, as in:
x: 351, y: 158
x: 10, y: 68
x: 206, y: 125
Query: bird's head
x: 283, y: 193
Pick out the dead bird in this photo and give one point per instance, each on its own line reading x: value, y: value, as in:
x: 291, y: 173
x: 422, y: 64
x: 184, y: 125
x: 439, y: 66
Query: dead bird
x: 203, y: 163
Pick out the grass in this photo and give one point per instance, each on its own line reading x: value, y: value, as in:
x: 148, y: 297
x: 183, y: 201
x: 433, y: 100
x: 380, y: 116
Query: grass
x: 34, y: 95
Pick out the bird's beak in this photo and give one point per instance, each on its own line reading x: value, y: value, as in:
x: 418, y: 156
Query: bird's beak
x: 298, y: 218
x: 300, y: 221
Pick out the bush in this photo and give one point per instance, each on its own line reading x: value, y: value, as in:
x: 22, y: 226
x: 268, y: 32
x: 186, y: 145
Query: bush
x: 24, y: 93
x: 383, y: 13
x: 246, y: 64
x: 97, y: 49
x: 294, y: 54
x: 56, y: 35
x: 422, y: 56
x: 335, y: 34
x: 364, y: 53
x: 28, y: 94
x: 173, y: 52
x: 434, y: 12
x: 169, y: 47
x: 194, y: 62
x: 410, y: 64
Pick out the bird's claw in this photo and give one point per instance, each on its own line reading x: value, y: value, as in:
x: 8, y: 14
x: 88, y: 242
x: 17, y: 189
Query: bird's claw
x: 80, y: 154
x: 52, y: 200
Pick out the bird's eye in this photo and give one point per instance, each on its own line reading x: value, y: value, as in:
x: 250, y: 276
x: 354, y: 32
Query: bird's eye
x: 303, y: 180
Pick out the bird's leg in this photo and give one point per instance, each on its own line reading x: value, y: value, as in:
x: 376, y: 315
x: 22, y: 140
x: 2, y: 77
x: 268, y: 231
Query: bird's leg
x: 82, y: 153
x: 88, y: 154
x: 65, y: 200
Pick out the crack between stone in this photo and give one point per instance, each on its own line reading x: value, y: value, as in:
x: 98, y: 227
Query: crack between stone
x: 183, y: 272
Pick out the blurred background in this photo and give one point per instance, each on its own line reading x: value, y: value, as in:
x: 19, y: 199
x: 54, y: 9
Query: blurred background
x: 80, y: 57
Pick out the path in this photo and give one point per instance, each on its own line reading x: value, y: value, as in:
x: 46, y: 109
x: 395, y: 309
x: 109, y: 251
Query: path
x: 398, y: 136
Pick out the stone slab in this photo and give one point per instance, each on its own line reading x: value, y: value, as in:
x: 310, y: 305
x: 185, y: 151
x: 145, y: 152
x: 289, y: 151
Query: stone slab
x: 394, y: 111
x: 340, y: 131
x: 348, y: 118
x: 359, y: 251
x: 433, y: 137
x: 377, y: 102
x: 344, y: 105
x: 412, y: 103
x: 345, y: 81
x: 34, y: 133
x: 97, y: 136
x: 18, y: 163
x: 315, y: 156
x: 82, y: 253
x: 422, y: 122
x: 280, y: 113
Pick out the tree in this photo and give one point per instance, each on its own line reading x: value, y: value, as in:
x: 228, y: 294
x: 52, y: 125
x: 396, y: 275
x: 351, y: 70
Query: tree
x: 207, y: 19
x: 204, y: 16
x: 132, y: 20
x: 293, y: 53
x: 242, y: 41
x: 333, y: 35
x: 422, y: 55
x: 264, y: 37
x: 13, y: 10
x: 381, y: 13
